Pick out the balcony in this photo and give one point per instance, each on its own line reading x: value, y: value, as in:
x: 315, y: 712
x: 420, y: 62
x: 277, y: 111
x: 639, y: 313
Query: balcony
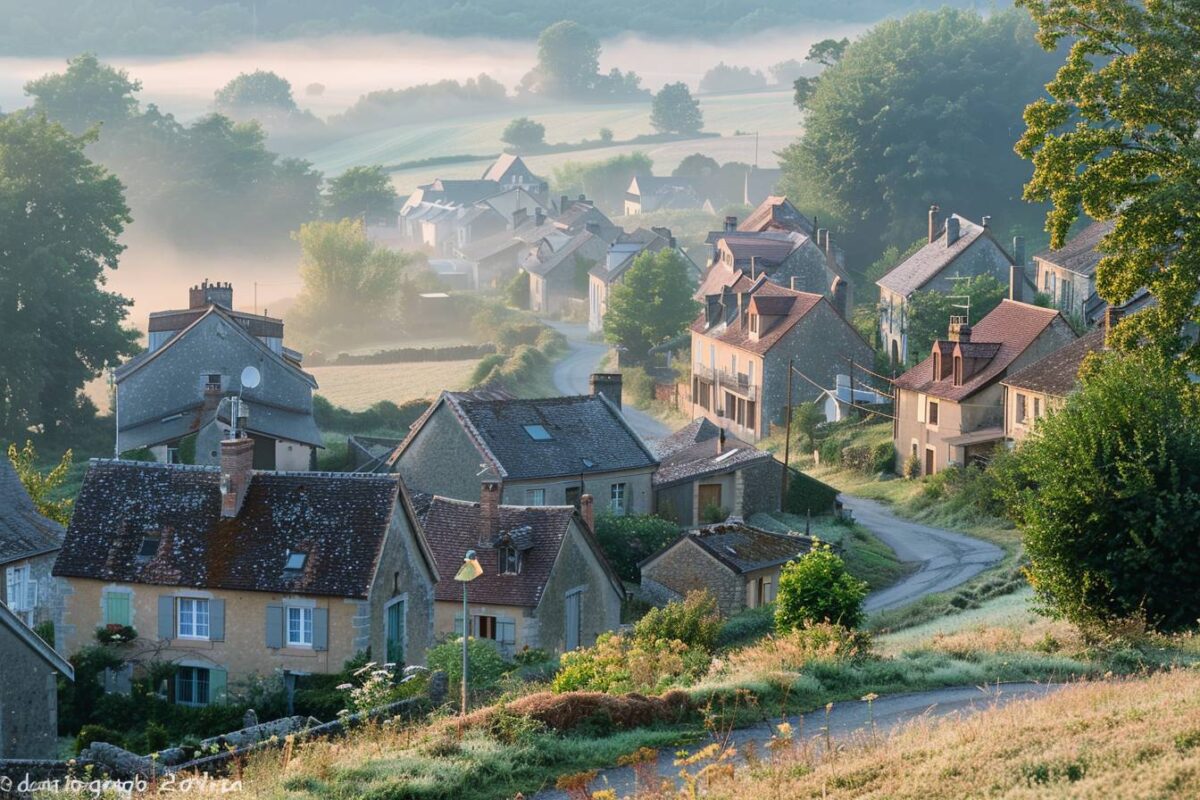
x: 737, y: 383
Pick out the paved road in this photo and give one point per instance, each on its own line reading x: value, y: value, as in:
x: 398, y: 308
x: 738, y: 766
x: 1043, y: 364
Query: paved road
x: 571, y: 375
x: 946, y: 559
x: 845, y: 720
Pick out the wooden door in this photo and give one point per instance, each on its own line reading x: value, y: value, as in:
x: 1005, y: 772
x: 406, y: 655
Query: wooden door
x: 709, y: 495
x: 929, y: 461
x: 395, y: 632
x: 573, y: 609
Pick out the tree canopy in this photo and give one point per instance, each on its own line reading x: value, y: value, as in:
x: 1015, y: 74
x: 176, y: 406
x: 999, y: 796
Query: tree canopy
x: 651, y: 304
x: 523, y: 133
x: 42, y: 488
x: 928, y: 312
x: 87, y: 93
x: 728, y: 78
x: 1117, y: 140
x: 918, y: 111
x: 674, y: 110
x: 603, y: 181
x: 60, y: 219
x: 364, y: 193
x: 568, y: 60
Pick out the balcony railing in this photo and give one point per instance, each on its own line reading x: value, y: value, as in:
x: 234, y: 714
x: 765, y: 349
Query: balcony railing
x: 738, y: 383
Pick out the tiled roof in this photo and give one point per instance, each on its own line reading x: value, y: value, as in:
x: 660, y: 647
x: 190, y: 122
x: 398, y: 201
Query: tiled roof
x: 1081, y: 254
x: 1011, y: 325
x: 453, y: 527
x: 544, y: 263
x: 744, y: 548
x: 772, y: 248
x: 1058, y: 373
x: 35, y: 643
x: 692, y: 452
x: 737, y: 333
x: 506, y: 163
x: 339, y: 520
x: 924, y: 265
x: 776, y: 213
x: 23, y: 531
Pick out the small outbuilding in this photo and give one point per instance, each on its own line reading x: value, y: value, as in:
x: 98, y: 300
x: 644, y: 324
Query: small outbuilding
x: 29, y: 691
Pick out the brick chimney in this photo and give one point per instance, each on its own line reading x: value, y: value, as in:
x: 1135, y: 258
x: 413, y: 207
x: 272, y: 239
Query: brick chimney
x: 237, y: 467
x: 587, y: 511
x: 952, y: 230
x: 489, y: 510
x: 935, y: 221
x: 960, y: 332
x: 608, y: 384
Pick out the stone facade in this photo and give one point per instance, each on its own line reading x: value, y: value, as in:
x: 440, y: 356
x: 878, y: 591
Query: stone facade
x: 686, y: 567
x: 28, y: 700
x: 50, y: 590
x: 759, y: 487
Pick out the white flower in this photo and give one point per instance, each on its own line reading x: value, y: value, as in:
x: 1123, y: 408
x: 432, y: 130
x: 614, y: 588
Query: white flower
x: 344, y: 686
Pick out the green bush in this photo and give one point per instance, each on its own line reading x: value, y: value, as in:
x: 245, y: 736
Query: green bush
x: 382, y: 417
x: 746, y: 626
x: 618, y: 664
x: 487, y: 666
x: 695, y: 621
x: 713, y: 513
x: 627, y: 540
x: 513, y: 335
x: 817, y: 588
x: 45, y: 630
x: 90, y: 734
x: 637, y: 387
x: 486, y: 366
x: 807, y: 494
x: 550, y: 342
x: 831, y: 451
x: 869, y: 459
x: 516, y: 291
x: 912, y: 466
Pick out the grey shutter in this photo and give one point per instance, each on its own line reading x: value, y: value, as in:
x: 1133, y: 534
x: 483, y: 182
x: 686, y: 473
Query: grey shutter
x: 216, y: 620
x: 217, y: 680
x: 166, y: 616
x: 458, y: 624
x: 275, y: 627
x: 320, y: 629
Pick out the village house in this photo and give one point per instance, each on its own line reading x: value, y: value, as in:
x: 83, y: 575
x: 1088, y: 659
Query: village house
x: 175, y: 399
x: 1043, y: 386
x: 742, y: 343
x: 1068, y: 275
x: 620, y: 257
x: 545, y: 582
x: 547, y: 452
x: 950, y: 407
x: 29, y: 691
x: 511, y: 172
x: 29, y: 543
x: 706, y: 475
x: 778, y: 241
x: 647, y: 193
x: 738, y: 563
x: 558, y: 265
x: 956, y: 248
x: 230, y: 572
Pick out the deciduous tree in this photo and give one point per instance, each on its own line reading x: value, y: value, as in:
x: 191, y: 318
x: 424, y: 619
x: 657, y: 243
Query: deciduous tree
x: 40, y: 487
x: 674, y: 110
x: 364, y: 193
x: 928, y: 312
x: 87, y: 93
x: 817, y: 588
x: 652, y: 304
x: 523, y: 133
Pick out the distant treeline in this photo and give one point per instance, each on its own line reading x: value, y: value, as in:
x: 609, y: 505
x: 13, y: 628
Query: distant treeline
x: 64, y: 27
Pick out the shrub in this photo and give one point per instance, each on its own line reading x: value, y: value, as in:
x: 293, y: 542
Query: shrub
x: 550, y: 342
x: 713, y: 513
x: 627, y: 540
x: 746, y: 626
x: 807, y: 494
x: 90, y: 734
x: 912, y: 467
x: 382, y: 416
x: 869, y: 459
x: 831, y: 451
x: 486, y: 664
x: 575, y: 711
x: 637, y: 387
x: 793, y: 650
x: 45, y: 630
x: 516, y: 291
x: 695, y: 621
x: 617, y: 664
x: 115, y: 634
x: 817, y: 588
x: 512, y: 336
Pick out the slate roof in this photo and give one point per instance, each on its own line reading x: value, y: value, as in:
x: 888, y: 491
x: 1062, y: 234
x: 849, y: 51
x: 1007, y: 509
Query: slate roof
x: 691, y: 453
x: 771, y: 248
x: 1011, y: 325
x: 737, y: 334
x: 743, y: 548
x: 552, y: 261
x: 35, y: 643
x: 23, y: 531
x: 339, y: 520
x: 1081, y: 254
x: 502, y: 166
x: 776, y: 213
x: 628, y: 247
x: 453, y: 527
x: 1058, y: 373
x: 927, y: 263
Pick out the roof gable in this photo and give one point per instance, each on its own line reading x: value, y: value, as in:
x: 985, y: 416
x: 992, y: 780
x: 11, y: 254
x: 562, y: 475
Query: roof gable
x: 10, y: 620
x: 23, y: 531
x: 733, y: 330
x: 1057, y: 374
x: 740, y: 547
x: 927, y: 263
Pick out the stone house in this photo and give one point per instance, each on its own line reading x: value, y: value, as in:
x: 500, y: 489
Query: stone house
x: 545, y: 582
x: 1068, y: 275
x: 957, y: 248
x: 511, y: 172
x: 702, y: 468
x: 175, y: 399
x: 29, y: 691
x: 549, y: 451
x: 742, y: 343
x: 230, y: 572
x: 558, y: 266
x: 620, y: 257
x: 950, y: 407
x: 647, y: 193
x: 29, y: 543
x: 738, y: 563
x: 1043, y: 386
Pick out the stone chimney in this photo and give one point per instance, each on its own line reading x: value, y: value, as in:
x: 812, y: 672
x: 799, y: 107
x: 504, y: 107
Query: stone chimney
x: 563, y: 202
x: 959, y: 331
x: 587, y: 511
x: 952, y: 230
x: 840, y: 295
x: 237, y: 468
x: 1016, y: 283
x: 220, y: 294
x: 608, y: 384
x: 730, y: 224
x: 1019, y: 250
x: 489, y: 510
x: 935, y: 223
x: 539, y: 216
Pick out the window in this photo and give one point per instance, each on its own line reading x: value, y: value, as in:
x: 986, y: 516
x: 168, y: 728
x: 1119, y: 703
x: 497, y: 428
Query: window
x: 193, y: 618
x: 538, y: 433
x: 750, y: 373
x: 299, y: 627
x: 741, y: 412
x: 958, y: 371
x: 510, y: 560
x: 116, y: 609
x: 921, y: 403
x: 937, y: 366
x: 733, y: 363
x: 730, y: 406
x: 191, y: 686
x: 1020, y: 411
x: 616, y: 502
x: 535, y: 497
x: 754, y: 323
x: 751, y: 414
x: 149, y: 547
x: 212, y: 381
x: 21, y: 595
x: 573, y: 493
x: 1037, y: 407
x: 485, y: 627
x: 172, y: 454
x: 295, y: 561
x: 933, y: 412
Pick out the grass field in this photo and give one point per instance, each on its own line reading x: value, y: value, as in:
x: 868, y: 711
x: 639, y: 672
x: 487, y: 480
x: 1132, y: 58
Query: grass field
x: 357, y: 387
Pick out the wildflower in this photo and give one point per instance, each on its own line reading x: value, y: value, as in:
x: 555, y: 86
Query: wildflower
x: 785, y: 730
x: 342, y: 687
x: 869, y: 698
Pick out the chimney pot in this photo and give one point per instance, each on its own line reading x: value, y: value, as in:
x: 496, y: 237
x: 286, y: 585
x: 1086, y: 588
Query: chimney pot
x: 489, y: 510
x: 587, y: 511
x: 563, y: 202
x: 237, y: 468
x: 840, y: 294
x: 960, y: 332
x: 934, y: 223
x: 608, y: 384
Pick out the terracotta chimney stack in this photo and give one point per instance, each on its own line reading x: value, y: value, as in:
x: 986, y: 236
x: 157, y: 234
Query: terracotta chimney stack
x: 587, y: 511
x: 489, y: 510
x: 237, y: 468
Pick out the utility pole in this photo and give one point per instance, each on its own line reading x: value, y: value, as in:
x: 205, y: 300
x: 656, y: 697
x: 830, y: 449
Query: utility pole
x: 787, y: 440
x: 851, y: 360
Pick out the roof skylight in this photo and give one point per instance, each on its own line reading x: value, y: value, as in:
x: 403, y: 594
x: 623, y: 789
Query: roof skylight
x: 295, y: 561
x: 538, y: 433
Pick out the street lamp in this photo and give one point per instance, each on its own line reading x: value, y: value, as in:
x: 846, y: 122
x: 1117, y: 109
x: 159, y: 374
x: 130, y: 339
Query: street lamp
x: 469, y: 571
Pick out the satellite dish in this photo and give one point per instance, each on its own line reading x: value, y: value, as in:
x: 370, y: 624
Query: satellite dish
x: 251, y: 377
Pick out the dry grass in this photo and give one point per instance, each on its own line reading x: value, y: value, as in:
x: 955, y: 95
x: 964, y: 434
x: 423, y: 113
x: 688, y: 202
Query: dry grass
x: 1116, y: 739
x: 357, y: 387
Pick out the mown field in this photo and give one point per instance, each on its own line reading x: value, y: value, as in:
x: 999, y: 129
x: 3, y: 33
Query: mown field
x: 358, y: 387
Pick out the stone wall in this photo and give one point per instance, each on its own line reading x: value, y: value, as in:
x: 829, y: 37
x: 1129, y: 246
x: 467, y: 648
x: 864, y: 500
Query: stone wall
x: 687, y: 567
x: 759, y: 486
x: 28, y: 701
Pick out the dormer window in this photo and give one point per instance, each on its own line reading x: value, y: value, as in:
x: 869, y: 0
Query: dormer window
x: 937, y: 365
x: 295, y: 561
x: 958, y: 371
x: 149, y: 547
x: 510, y: 560
x: 754, y: 323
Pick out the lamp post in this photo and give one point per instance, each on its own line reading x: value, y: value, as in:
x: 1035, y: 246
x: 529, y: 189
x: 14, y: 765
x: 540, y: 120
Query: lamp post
x: 469, y: 571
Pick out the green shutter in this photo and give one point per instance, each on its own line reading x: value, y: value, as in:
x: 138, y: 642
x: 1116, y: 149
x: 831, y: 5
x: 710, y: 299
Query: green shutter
x: 458, y: 624
x: 216, y: 620
x: 217, y: 679
x: 166, y: 617
x: 274, y: 627
x: 116, y: 608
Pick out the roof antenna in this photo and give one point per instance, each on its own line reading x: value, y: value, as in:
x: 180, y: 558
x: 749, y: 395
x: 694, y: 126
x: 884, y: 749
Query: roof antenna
x: 250, y: 379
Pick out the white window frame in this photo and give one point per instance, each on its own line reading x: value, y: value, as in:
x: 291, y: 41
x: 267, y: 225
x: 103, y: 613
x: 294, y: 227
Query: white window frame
x: 535, y: 497
x: 618, y: 499
x: 506, y: 554
x: 195, y: 606
x: 22, y: 590
x: 303, y: 614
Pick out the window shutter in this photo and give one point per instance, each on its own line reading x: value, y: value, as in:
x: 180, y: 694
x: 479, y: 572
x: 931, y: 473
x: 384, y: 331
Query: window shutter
x: 274, y: 627
x: 166, y: 617
x: 506, y: 630
x: 217, y: 679
x: 216, y: 620
x: 920, y: 408
x: 31, y: 592
x: 320, y: 629
x: 10, y: 585
x: 458, y: 624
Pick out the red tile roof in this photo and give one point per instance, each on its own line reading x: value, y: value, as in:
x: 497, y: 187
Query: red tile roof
x: 1058, y: 373
x: 737, y: 334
